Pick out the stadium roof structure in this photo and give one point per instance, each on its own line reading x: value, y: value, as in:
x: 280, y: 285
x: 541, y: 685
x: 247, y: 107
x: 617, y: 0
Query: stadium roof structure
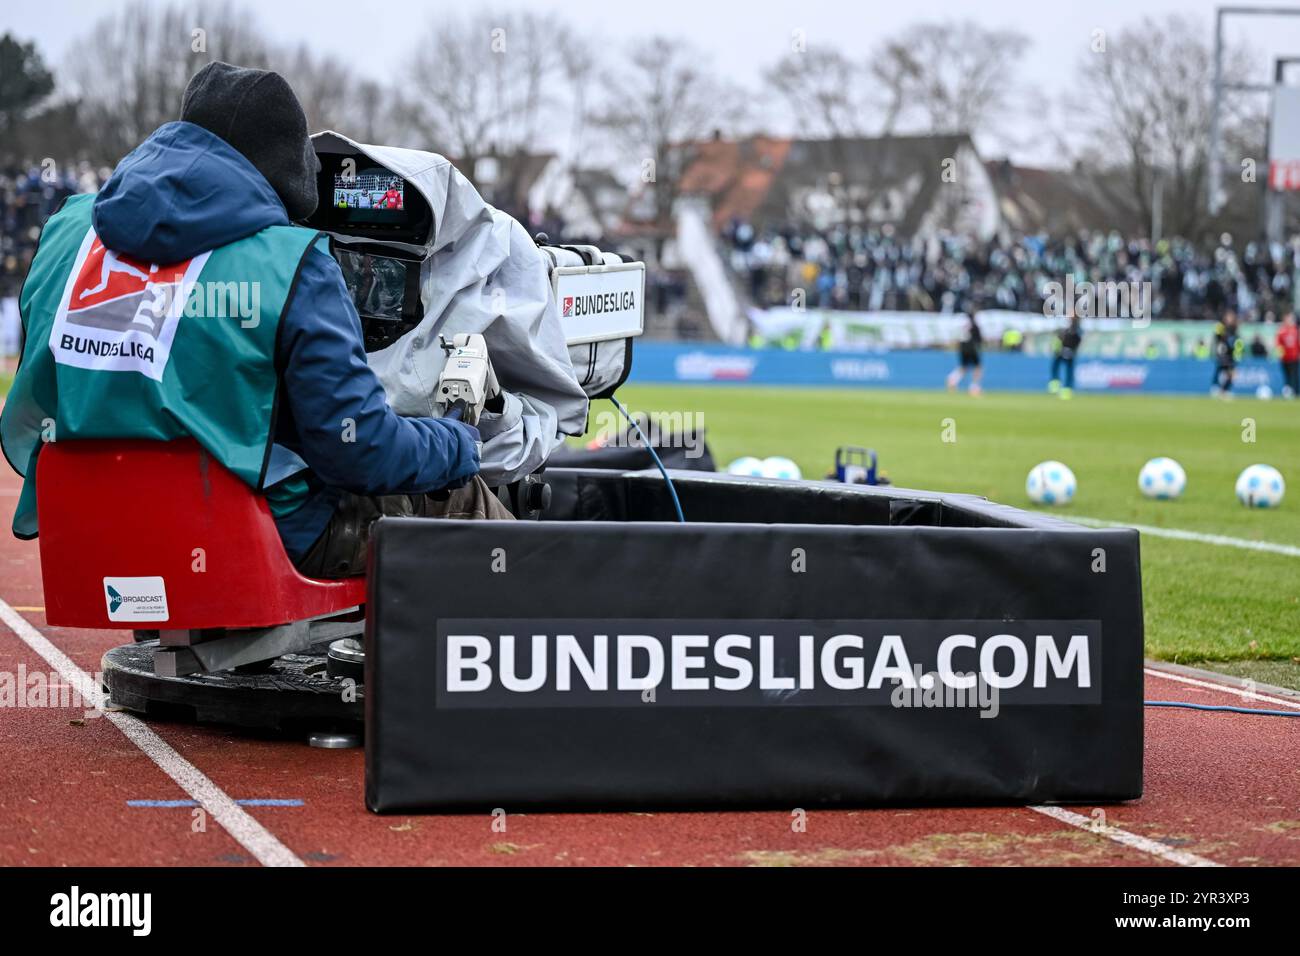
x: 879, y: 180
x: 736, y: 175
x: 1057, y: 201
x: 506, y: 179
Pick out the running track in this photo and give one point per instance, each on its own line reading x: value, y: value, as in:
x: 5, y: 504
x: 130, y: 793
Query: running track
x: 1220, y: 789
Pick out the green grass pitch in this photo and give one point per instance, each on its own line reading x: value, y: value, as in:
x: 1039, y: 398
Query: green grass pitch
x: 1203, y: 602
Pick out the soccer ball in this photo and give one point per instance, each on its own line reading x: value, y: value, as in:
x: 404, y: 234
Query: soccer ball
x: 1162, y: 478
x: 1263, y: 393
x: 747, y: 467
x: 1051, y: 483
x: 1260, y: 486
x: 778, y: 467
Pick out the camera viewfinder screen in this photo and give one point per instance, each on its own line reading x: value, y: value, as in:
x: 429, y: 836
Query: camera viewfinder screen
x: 370, y: 195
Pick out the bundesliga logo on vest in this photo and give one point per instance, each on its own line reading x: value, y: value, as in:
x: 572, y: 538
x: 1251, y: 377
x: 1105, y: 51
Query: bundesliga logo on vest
x: 119, y: 314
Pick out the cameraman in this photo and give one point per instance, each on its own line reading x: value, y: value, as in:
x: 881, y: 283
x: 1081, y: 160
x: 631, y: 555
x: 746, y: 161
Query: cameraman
x: 284, y: 397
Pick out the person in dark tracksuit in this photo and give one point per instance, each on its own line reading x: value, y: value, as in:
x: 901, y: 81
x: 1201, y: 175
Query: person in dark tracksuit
x: 1225, y: 354
x: 1066, y: 351
x: 968, y: 357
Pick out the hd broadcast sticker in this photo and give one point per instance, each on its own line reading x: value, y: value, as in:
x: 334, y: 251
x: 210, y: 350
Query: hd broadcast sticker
x: 119, y: 314
x: 136, y: 599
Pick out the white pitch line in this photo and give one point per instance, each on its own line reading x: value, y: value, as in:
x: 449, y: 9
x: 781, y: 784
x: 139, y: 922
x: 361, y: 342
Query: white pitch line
x: 1226, y: 688
x: 1290, y: 550
x: 1132, y: 840
x: 245, y: 830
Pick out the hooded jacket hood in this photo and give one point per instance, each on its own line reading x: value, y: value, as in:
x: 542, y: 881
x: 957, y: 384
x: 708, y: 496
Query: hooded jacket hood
x: 183, y: 191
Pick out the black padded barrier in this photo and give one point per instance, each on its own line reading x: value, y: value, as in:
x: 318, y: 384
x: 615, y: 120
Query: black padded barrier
x: 826, y: 583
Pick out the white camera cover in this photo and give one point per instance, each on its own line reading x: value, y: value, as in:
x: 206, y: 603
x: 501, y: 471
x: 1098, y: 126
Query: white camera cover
x: 483, y: 274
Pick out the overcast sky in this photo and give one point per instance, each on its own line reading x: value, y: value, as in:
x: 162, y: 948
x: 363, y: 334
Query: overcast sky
x: 738, y: 35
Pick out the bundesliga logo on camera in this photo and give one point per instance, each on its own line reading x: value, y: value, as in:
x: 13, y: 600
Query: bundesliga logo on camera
x: 568, y: 306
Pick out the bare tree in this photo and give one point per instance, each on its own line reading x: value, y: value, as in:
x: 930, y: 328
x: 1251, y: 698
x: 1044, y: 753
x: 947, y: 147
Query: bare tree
x: 323, y: 84
x: 1149, y: 92
x: 485, y: 83
x: 820, y: 86
x: 130, y: 69
x: 334, y: 97
x: 372, y: 115
x: 894, y: 72
x: 659, y: 101
x: 580, y: 67
x: 954, y: 77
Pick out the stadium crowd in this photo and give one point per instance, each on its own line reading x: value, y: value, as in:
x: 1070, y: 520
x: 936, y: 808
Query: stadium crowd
x: 28, y: 195
x: 874, y: 269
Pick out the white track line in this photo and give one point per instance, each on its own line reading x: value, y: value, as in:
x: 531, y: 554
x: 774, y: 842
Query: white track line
x: 1245, y: 544
x: 1132, y: 840
x: 1141, y: 843
x: 1225, y: 688
x: 246, y: 831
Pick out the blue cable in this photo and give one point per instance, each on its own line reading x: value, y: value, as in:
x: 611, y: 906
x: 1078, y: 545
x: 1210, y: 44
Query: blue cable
x: 677, y: 505
x: 1228, y: 707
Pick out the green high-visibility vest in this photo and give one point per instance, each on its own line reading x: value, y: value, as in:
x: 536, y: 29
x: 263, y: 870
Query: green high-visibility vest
x: 116, y: 348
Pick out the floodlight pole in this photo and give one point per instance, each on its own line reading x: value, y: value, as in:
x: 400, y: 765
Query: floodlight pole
x: 1214, y: 184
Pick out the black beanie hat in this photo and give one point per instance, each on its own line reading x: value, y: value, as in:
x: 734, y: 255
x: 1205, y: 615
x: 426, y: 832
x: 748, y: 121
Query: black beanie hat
x: 256, y: 112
